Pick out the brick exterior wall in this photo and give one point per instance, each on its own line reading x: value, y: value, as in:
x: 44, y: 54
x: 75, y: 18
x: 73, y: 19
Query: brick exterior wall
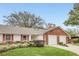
x: 57, y: 31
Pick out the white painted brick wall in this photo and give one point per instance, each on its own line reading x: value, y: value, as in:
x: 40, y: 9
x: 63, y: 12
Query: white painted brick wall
x: 17, y: 38
x: 1, y: 38
x: 39, y: 37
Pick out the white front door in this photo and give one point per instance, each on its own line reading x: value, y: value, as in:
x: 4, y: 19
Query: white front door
x: 52, y: 39
x: 62, y: 39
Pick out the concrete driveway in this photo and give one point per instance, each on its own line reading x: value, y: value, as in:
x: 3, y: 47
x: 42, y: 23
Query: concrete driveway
x: 72, y: 48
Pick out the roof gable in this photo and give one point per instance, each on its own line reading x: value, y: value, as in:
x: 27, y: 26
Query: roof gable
x: 57, y: 31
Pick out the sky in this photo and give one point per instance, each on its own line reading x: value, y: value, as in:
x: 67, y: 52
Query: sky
x: 51, y: 13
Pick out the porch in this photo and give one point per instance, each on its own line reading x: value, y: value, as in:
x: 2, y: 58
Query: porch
x: 13, y: 38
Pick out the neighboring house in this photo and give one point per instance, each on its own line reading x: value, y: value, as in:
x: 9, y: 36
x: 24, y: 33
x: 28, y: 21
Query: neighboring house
x: 52, y: 35
x: 74, y: 39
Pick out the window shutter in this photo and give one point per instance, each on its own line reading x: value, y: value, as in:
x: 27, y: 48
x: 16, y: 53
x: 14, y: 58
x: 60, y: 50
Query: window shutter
x: 4, y: 39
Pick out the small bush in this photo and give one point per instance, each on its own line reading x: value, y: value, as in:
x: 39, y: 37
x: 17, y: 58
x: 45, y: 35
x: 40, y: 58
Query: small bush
x: 23, y: 42
x: 21, y: 45
x: 65, y: 45
x: 13, y: 46
x: 8, y: 42
x: 39, y: 43
x: 60, y: 43
x: 0, y: 43
x: 17, y: 42
x: 31, y: 44
x: 3, y: 49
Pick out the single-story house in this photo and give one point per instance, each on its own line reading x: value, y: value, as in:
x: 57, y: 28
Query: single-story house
x: 50, y: 36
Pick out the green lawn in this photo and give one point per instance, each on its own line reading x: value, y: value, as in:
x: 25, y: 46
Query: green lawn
x: 44, y: 51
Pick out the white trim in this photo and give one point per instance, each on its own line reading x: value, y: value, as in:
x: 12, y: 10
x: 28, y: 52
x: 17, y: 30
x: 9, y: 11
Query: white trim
x: 29, y: 37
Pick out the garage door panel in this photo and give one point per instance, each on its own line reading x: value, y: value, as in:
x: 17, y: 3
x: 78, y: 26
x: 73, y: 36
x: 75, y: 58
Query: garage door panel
x: 52, y: 39
x: 62, y: 39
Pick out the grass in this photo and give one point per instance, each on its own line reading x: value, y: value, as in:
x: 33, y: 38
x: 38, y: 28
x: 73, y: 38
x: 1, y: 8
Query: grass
x: 35, y: 51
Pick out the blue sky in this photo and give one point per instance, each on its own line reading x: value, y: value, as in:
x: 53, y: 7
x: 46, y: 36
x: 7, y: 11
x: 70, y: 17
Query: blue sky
x: 51, y: 13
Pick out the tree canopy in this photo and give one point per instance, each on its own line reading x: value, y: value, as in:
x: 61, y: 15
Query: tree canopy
x: 73, y: 19
x: 72, y: 32
x: 24, y: 19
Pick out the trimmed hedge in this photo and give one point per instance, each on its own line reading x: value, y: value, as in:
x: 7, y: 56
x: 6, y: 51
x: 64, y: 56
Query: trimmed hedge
x: 39, y: 43
x: 18, y: 44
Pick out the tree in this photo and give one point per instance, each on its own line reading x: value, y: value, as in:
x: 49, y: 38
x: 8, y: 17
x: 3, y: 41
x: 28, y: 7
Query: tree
x: 24, y: 19
x: 72, y: 32
x: 73, y: 19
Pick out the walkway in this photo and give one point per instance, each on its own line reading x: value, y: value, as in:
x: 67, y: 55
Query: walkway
x: 70, y: 47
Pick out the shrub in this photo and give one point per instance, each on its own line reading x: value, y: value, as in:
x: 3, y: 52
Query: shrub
x: 3, y: 49
x: 31, y: 44
x: 17, y: 42
x: 6, y: 48
x: 39, y: 43
x: 24, y: 45
x: 60, y: 43
x: 0, y: 43
x: 35, y: 43
x: 21, y: 45
x: 23, y: 42
x: 8, y: 42
x: 65, y: 45
x: 13, y: 46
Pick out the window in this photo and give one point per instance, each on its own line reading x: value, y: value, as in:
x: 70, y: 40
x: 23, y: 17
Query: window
x: 25, y: 37
x: 8, y: 37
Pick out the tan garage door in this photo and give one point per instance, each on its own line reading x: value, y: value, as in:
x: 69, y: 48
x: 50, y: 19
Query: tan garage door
x: 52, y: 40
x: 62, y: 39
